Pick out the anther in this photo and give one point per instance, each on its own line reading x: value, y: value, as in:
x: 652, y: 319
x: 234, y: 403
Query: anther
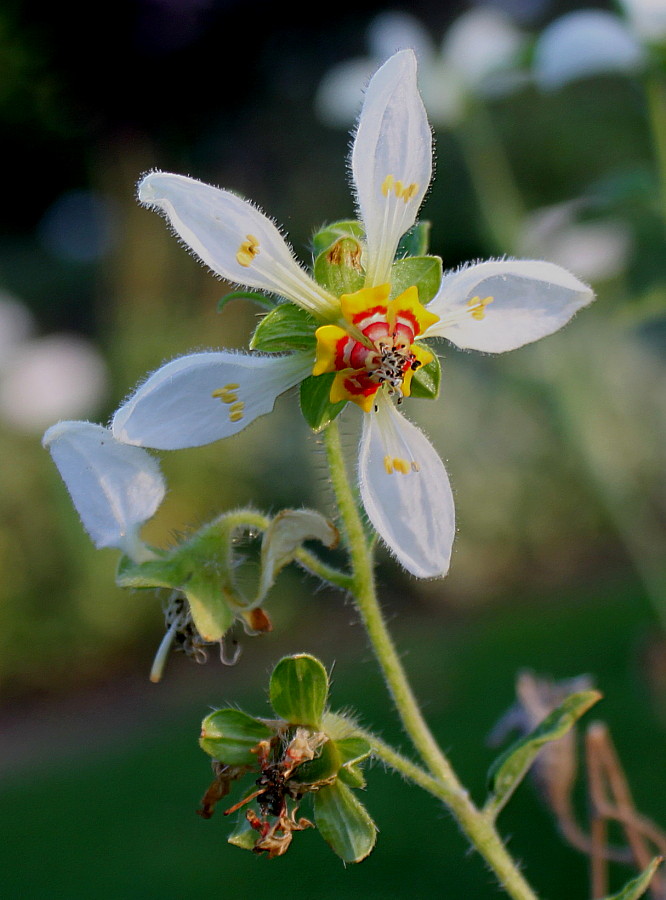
x: 247, y: 250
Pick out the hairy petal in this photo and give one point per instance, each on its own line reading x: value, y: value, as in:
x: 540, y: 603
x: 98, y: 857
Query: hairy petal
x: 391, y: 160
x: 406, y: 491
x: 233, y: 238
x: 203, y: 397
x: 502, y: 304
x: 115, y: 488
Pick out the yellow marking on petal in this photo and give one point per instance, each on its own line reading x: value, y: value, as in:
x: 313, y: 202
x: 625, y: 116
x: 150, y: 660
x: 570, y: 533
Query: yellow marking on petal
x: 477, y: 307
x: 235, y: 416
x: 396, y: 464
x: 408, y: 303
x: 247, y: 250
x: 423, y: 357
x: 327, y: 346
x: 339, y: 392
x: 363, y: 300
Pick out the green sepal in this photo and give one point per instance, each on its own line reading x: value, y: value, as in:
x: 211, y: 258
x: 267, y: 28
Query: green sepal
x: 509, y: 769
x: 229, y: 735
x: 426, y: 381
x: 353, y: 750
x: 638, y: 886
x: 262, y: 299
x: 325, y: 766
x: 344, y: 822
x: 352, y: 776
x: 422, y: 272
x: 299, y: 689
x: 183, y: 570
x: 338, y: 267
x: 287, y: 327
x: 316, y: 406
x: 416, y: 241
x: 329, y: 234
x: 243, y: 835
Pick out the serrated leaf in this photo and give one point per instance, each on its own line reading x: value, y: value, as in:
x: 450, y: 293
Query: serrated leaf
x: 261, y: 299
x: 426, y: 381
x: 415, y: 242
x: 228, y: 735
x: 638, y: 886
x: 316, y: 406
x: 344, y: 822
x: 329, y: 234
x: 422, y: 272
x: 299, y: 689
x: 287, y: 327
x: 338, y: 268
x: 508, y: 770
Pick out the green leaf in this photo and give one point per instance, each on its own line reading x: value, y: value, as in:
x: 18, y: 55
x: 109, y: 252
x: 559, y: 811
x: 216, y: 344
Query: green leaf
x: 508, y: 770
x: 299, y: 690
x: 344, y: 822
x: 261, y: 299
x: 316, y: 406
x: 423, y: 272
x: 329, y: 234
x: 638, y: 886
x: 426, y: 381
x: 229, y: 735
x: 415, y: 241
x: 338, y: 268
x: 287, y: 327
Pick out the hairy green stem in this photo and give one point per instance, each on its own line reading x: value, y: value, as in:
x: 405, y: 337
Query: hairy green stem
x: 655, y: 90
x: 441, y: 781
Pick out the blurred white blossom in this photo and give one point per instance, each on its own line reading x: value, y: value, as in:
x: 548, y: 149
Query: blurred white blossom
x: 583, y: 43
x: 477, y: 57
x: 42, y: 379
x: 597, y: 250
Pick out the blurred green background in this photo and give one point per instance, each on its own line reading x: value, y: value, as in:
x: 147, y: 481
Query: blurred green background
x: 556, y: 451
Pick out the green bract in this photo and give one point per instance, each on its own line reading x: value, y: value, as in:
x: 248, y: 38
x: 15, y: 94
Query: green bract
x: 299, y: 689
x: 306, y: 750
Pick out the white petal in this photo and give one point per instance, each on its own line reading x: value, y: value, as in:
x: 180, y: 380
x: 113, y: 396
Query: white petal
x: 583, y: 43
x: 413, y: 511
x: 530, y: 299
x: 393, y: 141
x: 115, y: 488
x: 219, y: 227
x: 198, y: 399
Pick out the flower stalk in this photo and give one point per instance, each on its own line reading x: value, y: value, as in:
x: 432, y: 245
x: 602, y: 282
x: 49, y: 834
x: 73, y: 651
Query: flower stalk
x: 441, y: 781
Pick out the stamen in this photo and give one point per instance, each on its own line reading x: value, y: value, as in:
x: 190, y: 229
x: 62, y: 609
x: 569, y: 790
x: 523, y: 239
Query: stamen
x: 227, y: 393
x: 477, y: 307
x: 406, y: 192
x: 396, y: 464
x: 236, y: 411
x: 247, y: 251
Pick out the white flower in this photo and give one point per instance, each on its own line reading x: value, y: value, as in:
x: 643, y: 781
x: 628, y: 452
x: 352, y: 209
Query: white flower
x: 477, y: 57
x: 368, y: 338
x: 115, y: 488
